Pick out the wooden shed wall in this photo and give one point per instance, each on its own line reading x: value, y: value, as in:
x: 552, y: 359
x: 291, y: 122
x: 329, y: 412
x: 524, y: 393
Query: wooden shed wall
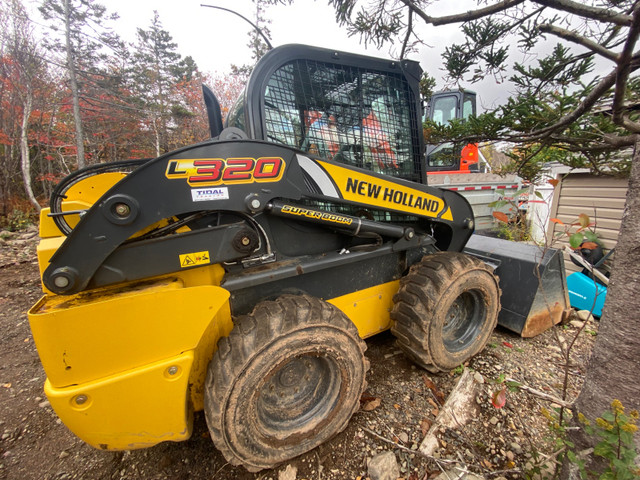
x: 602, y: 198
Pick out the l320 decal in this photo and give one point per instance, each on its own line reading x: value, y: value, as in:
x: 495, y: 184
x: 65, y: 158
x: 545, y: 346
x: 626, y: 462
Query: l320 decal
x: 205, y: 172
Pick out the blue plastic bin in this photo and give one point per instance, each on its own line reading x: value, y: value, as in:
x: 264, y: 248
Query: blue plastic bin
x: 583, y: 291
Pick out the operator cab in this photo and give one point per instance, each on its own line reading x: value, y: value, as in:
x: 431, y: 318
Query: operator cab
x: 348, y: 108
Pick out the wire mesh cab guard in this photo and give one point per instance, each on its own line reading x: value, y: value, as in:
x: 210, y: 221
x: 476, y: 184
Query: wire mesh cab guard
x: 349, y: 108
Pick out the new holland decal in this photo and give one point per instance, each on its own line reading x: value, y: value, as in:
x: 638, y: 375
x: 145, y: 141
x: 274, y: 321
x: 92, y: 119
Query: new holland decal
x: 209, y: 172
x: 362, y: 188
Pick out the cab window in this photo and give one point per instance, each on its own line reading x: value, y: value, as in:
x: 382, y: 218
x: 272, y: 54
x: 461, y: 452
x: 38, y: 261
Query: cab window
x: 444, y: 109
x: 346, y: 114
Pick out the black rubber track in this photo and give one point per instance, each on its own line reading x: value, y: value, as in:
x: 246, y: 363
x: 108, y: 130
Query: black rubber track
x: 445, y: 310
x: 287, y: 378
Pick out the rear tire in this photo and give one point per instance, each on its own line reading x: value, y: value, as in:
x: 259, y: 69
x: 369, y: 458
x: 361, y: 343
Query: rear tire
x: 445, y: 310
x: 288, y: 377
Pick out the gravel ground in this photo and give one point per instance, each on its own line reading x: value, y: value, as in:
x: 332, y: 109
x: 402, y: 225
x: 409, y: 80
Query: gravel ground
x: 399, y: 406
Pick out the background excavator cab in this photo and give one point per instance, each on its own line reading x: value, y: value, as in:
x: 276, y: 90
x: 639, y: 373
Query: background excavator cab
x: 444, y: 107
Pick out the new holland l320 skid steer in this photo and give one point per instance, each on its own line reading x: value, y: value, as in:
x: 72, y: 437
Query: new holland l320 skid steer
x: 240, y: 275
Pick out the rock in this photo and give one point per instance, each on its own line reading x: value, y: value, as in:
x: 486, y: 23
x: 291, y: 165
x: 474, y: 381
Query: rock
x: 585, y: 315
x: 478, y: 377
x: 576, y: 323
x: 404, y: 438
x: 289, y: 473
x: 383, y: 466
x: 493, y: 420
x: 44, y: 404
x: 63, y: 454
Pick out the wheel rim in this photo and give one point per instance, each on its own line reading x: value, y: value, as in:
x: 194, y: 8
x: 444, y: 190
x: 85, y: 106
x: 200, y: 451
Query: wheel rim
x: 463, y: 321
x: 295, y: 393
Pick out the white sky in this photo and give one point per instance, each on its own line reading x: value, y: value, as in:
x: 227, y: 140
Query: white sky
x: 217, y: 39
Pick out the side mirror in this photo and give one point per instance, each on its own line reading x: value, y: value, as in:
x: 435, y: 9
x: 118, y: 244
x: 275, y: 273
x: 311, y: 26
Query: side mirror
x: 214, y: 113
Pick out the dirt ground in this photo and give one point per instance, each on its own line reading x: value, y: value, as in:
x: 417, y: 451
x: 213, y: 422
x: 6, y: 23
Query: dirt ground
x: 397, y: 409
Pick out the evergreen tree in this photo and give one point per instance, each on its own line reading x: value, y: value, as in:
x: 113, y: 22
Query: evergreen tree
x: 158, y: 69
x: 81, y: 37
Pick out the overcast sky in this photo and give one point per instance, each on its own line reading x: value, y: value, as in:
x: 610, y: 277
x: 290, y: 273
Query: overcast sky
x: 217, y: 39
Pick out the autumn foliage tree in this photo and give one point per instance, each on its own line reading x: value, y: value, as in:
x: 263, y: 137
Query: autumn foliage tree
x: 24, y: 82
x: 134, y: 101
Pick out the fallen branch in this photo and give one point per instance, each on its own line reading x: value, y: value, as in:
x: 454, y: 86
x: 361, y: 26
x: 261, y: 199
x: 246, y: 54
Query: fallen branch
x: 408, y: 450
x: 538, y: 393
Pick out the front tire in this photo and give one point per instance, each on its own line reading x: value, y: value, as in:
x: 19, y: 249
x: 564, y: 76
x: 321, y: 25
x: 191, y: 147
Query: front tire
x: 445, y: 310
x: 288, y: 377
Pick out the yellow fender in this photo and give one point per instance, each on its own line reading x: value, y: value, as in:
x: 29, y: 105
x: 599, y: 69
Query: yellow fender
x: 125, y: 366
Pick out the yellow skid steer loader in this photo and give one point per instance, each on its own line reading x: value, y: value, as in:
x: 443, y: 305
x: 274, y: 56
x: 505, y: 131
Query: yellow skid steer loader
x: 239, y: 275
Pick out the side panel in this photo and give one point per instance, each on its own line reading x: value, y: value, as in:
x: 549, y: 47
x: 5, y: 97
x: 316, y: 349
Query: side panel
x: 126, y: 366
x: 369, y: 309
x: 136, y: 409
x: 84, y: 338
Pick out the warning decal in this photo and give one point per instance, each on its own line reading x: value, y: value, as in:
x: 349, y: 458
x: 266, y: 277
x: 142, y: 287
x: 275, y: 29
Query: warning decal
x: 194, y: 259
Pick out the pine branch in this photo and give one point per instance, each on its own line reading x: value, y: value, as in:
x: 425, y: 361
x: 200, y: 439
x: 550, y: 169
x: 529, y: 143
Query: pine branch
x: 579, y: 39
x: 587, y: 103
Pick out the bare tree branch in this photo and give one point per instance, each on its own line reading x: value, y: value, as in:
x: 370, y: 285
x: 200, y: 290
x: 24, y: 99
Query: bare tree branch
x: 580, y: 40
x: 409, y: 31
x: 463, y: 17
x: 605, y: 143
x: 599, y: 14
x: 623, y: 71
x: 620, y: 141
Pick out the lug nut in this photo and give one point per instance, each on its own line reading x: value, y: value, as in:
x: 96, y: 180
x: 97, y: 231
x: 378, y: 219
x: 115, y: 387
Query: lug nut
x: 245, y: 241
x: 172, y: 370
x: 255, y: 203
x: 81, y: 399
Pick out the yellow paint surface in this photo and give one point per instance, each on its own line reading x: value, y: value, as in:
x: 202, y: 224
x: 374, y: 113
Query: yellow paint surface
x: 91, y: 335
x: 137, y: 408
x: 369, y: 309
